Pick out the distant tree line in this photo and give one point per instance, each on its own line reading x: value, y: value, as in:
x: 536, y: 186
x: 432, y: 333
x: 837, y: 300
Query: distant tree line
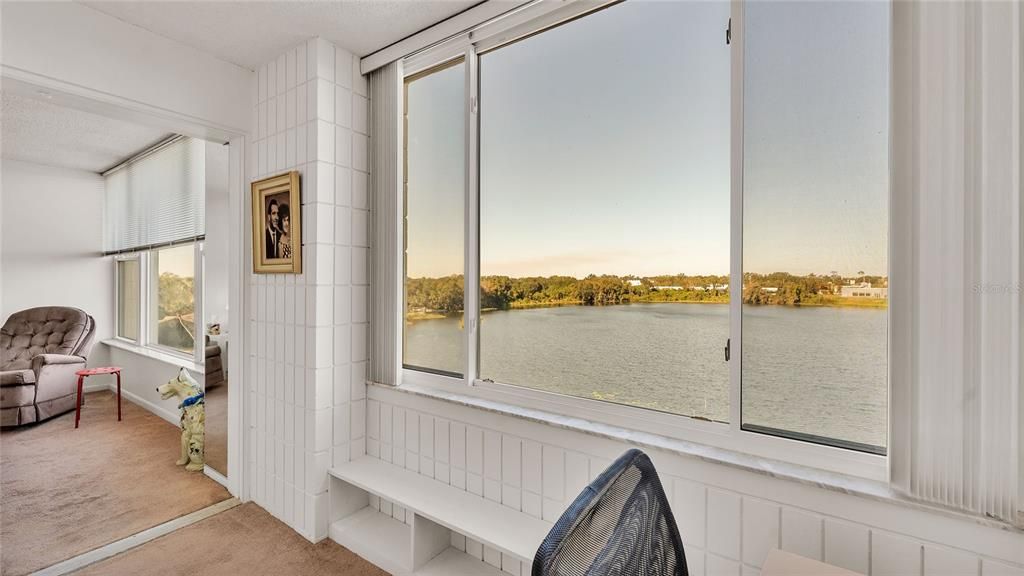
x: 444, y: 295
x: 176, y: 295
x: 434, y: 294
x: 784, y: 289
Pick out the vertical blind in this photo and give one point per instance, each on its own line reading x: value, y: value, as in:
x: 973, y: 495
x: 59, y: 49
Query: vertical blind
x: 388, y: 222
x: 158, y: 198
x: 957, y: 317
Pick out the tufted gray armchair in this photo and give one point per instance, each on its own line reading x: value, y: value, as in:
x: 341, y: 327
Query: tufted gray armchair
x: 40, y: 351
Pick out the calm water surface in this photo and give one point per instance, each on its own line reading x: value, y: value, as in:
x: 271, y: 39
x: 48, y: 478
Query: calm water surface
x: 819, y: 371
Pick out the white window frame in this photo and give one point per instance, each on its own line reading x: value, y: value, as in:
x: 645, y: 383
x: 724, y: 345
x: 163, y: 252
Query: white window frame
x: 147, y: 289
x: 137, y: 257
x: 535, y: 18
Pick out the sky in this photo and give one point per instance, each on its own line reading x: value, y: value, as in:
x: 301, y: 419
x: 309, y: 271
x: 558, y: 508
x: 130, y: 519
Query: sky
x: 604, y: 145
x: 177, y: 260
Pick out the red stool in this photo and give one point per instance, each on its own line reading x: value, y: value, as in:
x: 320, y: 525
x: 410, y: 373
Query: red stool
x: 94, y: 372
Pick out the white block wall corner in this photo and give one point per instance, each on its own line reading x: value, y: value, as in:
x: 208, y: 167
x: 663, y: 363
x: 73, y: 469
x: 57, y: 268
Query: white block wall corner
x: 306, y: 334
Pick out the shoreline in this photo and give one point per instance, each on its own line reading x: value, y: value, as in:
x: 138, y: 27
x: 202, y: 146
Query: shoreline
x: 869, y: 303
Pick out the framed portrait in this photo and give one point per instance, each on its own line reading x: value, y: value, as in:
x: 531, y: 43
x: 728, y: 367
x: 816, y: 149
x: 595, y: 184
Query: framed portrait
x: 277, y: 225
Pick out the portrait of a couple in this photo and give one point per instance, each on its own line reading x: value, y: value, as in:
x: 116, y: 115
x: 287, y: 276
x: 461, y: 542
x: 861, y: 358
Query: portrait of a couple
x: 278, y: 241
x: 276, y: 220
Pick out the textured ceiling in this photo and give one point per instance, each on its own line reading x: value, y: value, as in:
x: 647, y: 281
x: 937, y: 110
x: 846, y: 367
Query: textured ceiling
x: 251, y: 33
x: 39, y: 131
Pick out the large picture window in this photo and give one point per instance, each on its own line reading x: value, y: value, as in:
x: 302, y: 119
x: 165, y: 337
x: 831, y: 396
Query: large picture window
x: 676, y: 216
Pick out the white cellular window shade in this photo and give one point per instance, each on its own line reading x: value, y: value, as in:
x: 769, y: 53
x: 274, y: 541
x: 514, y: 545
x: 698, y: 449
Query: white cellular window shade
x: 158, y: 198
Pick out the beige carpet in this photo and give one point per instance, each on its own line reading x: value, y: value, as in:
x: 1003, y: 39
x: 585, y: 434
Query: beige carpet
x: 65, y: 491
x: 216, y: 447
x: 243, y: 540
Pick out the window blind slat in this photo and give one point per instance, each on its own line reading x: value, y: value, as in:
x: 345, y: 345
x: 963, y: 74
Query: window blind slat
x: 158, y: 198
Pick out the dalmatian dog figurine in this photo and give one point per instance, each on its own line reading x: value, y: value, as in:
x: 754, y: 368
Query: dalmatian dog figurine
x: 193, y: 417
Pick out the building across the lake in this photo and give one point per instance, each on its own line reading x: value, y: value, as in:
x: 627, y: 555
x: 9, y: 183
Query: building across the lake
x: 864, y: 290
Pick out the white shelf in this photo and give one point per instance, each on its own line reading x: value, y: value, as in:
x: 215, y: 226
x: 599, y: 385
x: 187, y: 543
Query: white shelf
x: 384, y: 541
x: 376, y: 537
x: 510, y: 531
x: 452, y: 562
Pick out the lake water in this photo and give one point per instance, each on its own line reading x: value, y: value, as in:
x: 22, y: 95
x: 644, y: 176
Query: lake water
x: 819, y: 371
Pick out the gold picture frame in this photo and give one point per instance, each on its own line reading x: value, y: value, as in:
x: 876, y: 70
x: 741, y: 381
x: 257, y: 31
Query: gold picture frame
x: 277, y: 225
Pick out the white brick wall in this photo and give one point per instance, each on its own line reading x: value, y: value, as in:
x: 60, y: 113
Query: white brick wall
x: 726, y: 530
x: 307, y: 332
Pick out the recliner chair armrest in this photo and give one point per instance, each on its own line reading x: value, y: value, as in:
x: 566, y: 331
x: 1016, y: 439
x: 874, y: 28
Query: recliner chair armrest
x: 47, y: 359
x: 55, y: 375
x: 17, y: 377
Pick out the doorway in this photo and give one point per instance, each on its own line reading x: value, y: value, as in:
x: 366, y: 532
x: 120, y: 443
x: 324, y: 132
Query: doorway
x: 158, y: 498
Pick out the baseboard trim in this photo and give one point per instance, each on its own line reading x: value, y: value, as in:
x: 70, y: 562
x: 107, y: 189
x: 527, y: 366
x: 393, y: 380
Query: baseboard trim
x: 172, y: 417
x: 135, y: 540
x: 98, y: 387
x: 216, y: 476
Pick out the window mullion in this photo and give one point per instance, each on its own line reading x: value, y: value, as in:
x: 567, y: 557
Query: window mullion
x: 471, y: 278
x: 144, y: 295
x: 736, y: 219
x: 199, y: 313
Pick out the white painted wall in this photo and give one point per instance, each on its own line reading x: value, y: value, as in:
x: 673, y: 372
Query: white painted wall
x: 307, y: 334
x: 140, y: 375
x: 52, y: 243
x: 215, y: 276
x: 70, y: 43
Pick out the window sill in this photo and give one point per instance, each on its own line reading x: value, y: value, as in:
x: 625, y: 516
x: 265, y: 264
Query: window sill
x: 835, y: 482
x: 154, y: 354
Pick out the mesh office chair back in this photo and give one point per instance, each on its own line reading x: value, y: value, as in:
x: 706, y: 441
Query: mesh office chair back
x: 621, y: 524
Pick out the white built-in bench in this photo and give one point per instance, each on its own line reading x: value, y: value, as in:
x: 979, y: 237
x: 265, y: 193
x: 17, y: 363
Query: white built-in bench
x: 424, y: 547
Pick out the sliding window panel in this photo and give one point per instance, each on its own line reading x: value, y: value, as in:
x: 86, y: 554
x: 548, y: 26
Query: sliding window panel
x: 128, y: 298
x: 173, y: 302
x: 815, y: 221
x: 604, y: 208
x: 435, y: 190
